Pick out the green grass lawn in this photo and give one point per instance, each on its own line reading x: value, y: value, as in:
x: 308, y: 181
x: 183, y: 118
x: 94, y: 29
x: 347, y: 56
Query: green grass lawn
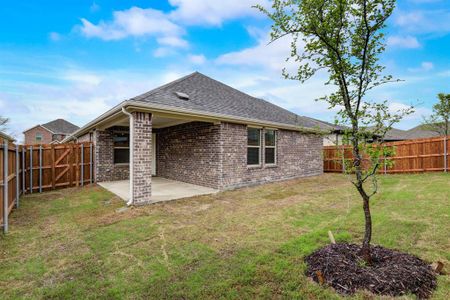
x: 244, y: 244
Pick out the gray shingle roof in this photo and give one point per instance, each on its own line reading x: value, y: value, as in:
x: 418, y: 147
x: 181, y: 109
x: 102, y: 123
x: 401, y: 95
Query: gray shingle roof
x: 420, y: 132
x: 396, y: 135
x: 211, y: 96
x: 60, y: 126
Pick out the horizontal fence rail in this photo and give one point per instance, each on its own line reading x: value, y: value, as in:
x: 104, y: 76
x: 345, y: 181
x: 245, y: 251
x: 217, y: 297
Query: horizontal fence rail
x: 412, y: 156
x: 38, y: 168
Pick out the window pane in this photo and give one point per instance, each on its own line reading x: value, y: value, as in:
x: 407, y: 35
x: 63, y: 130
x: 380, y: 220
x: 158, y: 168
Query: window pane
x: 270, y: 155
x: 253, y: 136
x: 121, y: 139
x: 121, y: 156
x: 252, y: 156
x: 270, y: 137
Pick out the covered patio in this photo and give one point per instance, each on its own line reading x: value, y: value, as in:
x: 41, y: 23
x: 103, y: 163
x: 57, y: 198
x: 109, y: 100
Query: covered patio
x: 149, y: 156
x: 162, y: 189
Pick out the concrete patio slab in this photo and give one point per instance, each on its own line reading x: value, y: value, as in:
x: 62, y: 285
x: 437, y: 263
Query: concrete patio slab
x: 162, y: 189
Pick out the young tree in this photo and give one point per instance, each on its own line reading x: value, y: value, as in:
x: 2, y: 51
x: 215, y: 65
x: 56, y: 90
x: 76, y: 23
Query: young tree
x: 343, y: 38
x: 3, y: 122
x: 439, y: 121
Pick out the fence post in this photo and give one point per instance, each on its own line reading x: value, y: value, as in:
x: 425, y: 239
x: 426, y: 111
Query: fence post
x: 343, y: 159
x: 23, y: 170
x: 17, y: 176
x: 53, y: 160
x: 5, y: 186
x: 445, y: 154
x: 82, y: 165
x: 90, y: 163
x: 40, y: 168
x: 31, y: 169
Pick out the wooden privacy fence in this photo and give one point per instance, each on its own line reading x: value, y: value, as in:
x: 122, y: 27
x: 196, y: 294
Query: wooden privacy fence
x: 412, y: 156
x: 36, y: 168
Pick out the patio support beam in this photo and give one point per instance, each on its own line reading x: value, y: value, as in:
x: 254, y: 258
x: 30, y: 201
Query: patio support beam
x: 140, y: 157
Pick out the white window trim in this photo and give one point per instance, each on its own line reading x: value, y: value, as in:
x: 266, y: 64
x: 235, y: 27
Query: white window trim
x: 38, y: 135
x: 274, y: 164
x: 260, y: 147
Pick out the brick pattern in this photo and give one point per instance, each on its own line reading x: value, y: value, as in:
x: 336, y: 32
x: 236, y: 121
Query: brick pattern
x: 88, y: 137
x: 142, y: 158
x: 30, y: 136
x: 213, y: 155
x: 189, y: 153
x: 298, y: 155
x: 105, y: 169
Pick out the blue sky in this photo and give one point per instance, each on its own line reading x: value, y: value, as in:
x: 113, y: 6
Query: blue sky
x: 75, y: 59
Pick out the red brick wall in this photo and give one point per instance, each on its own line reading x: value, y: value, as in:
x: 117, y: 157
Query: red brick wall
x: 105, y: 169
x: 142, y: 157
x: 30, y: 136
x: 298, y: 155
x: 216, y: 156
x: 189, y: 153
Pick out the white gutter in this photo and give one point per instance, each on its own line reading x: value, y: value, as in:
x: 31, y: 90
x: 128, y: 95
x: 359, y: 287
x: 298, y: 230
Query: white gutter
x: 131, y: 154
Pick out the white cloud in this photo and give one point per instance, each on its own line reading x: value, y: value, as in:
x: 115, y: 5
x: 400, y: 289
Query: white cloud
x: 73, y: 93
x: 94, y: 7
x: 415, y: 118
x: 409, y: 42
x: 445, y: 73
x: 54, y: 36
x: 163, y: 52
x: 265, y: 55
x: 197, y: 59
x: 82, y: 77
x: 136, y: 22
x: 424, y: 67
x: 423, y: 21
x: 201, y: 12
x: 173, y: 41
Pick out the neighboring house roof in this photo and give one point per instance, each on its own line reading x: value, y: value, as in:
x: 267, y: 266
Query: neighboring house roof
x: 333, y: 127
x: 199, y: 95
x: 396, y: 135
x: 420, y: 132
x: 393, y: 134
x: 61, y: 126
x: 58, y: 126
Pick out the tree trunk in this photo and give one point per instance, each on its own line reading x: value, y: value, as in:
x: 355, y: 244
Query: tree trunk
x: 365, y: 250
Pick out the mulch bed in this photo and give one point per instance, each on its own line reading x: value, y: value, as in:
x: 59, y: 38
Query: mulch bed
x: 392, y: 272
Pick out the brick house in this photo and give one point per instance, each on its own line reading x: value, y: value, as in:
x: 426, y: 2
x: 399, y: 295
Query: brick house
x: 201, y: 131
x: 48, y: 133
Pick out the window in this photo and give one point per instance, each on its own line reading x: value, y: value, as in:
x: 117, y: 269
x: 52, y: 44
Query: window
x: 253, y: 146
x: 270, y: 145
x: 121, y: 147
x: 38, y: 137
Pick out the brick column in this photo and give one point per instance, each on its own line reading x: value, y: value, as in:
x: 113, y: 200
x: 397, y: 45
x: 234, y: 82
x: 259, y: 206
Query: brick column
x: 103, y: 154
x: 142, y: 157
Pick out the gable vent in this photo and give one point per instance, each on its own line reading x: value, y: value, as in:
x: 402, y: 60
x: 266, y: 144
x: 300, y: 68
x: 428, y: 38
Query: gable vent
x: 182, y: 96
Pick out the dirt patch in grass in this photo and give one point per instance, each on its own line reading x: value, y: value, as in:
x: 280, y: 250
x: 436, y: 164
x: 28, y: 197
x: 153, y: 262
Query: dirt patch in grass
x: 392, y: 272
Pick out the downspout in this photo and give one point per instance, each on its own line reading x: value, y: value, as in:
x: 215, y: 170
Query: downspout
x: 130, y: 202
